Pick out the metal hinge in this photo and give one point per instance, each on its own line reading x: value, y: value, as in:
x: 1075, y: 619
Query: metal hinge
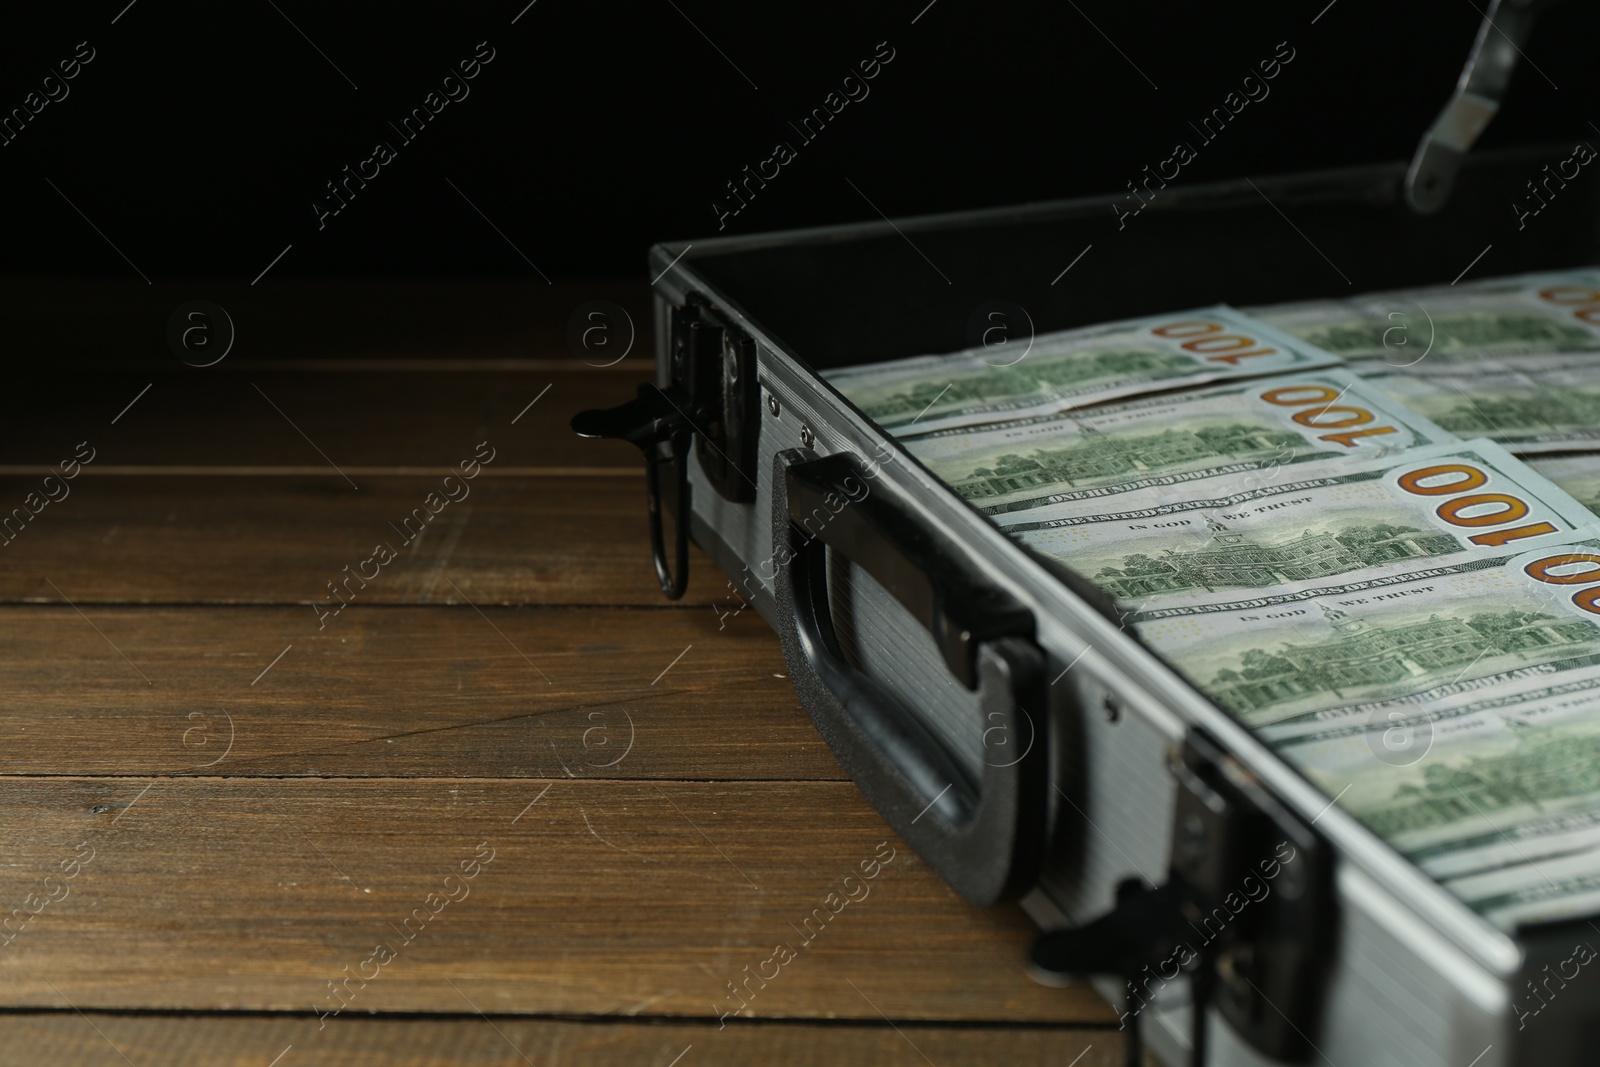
x: 1473, y: 104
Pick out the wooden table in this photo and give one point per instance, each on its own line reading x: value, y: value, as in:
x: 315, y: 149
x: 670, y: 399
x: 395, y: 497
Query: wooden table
x: 507, y: 806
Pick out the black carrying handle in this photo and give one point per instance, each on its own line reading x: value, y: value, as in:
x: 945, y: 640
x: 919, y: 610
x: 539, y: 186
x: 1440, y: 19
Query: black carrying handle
x: 985, y: 837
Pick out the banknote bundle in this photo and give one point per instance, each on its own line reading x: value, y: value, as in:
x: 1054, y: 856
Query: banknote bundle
x: 1072, y: 369
x: 1244, y: 536
x: 1529, y: 316
x: 1549, y: 406
x: 1364, y: 527
x: 1578, y: 474
x: 1259, y: 425
x: 1451, y: 708
x: 1516, y: 360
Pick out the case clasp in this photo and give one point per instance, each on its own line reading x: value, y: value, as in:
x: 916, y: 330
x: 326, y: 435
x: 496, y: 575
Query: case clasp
x: 653, y: 418
x: 1245, y: 915
x: 711, y: 396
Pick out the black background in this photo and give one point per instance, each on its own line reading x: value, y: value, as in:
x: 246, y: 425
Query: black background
x: 199, y: 135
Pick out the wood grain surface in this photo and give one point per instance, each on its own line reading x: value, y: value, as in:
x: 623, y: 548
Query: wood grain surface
x: 222, y: 796
x: 97, y: 1039
x: 344, y: 421
x: 248, y: 538
x: 590, y: 897
x: 437, y: 691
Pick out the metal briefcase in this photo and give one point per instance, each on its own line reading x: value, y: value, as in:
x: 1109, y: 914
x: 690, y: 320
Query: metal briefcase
x: 986, y: 700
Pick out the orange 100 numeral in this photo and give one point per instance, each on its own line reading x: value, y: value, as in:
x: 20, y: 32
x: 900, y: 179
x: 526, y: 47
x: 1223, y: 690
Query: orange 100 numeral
x: 1224, y: 348
x: 1573, y: 295
x: 1321, y: 414
x: 1453, y: 479
x: 1545, y: 571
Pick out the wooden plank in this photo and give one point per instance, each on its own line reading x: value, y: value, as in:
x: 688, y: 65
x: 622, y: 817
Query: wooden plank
x: 266, y: 800
x: 100, y: 1039
x: 367, y: 319
x: 588, y: 897
x: 398, y: 691
x: 331, y: 421
x: 280, y: 540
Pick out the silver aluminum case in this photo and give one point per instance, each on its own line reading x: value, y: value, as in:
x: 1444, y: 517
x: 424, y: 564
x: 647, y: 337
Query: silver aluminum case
x: 1416, y: 977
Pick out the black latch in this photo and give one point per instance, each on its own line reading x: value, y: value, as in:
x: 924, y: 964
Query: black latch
x: 654, y: 418
x: 1245, y: 916
x: 714, y: 362
x: 712, y: 396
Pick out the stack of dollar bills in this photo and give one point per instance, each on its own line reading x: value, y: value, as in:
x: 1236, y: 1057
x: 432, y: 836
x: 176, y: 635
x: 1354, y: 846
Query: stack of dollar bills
x: 1366, y: 528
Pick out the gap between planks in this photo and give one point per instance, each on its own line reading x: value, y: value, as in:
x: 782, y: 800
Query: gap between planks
x: 145, y: 470
x: 590, y: 1019
x: 510, y: 364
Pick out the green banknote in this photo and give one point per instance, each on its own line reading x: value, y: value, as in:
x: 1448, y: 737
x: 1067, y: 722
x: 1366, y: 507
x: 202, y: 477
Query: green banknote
x: 1293, y: 653
x: 1389, y: 514
x: 1262, y: 425
x: 1493, y: 789
x: 1071, y: 369
x: 1553, y: 406
x: 1525, y: 316
x: 1579, y: 475
x: 1454, y: 709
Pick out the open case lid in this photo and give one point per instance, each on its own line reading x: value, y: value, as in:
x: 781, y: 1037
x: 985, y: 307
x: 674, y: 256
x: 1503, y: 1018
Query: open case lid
x: 885, y: 290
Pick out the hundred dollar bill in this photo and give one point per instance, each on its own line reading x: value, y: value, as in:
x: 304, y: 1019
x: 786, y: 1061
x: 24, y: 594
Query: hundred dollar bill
x: 1495, y: 791
x: 1303, y: 652
x: 1551, y: 407
x: 1560, y: 887
x: 1529, y: 315
x: 1071, y: 369
x: 1076, y: 458
x: 1451, y: 710
x: 1579, y: 475
x: 1318, y: 521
